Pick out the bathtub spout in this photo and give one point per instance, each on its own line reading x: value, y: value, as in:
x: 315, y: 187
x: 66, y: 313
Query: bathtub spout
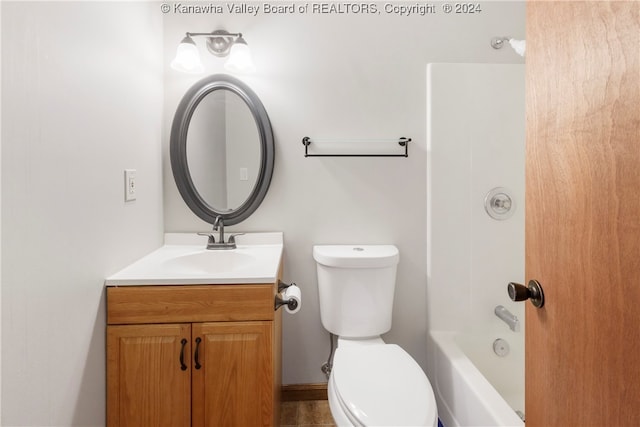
x: 507, y: 317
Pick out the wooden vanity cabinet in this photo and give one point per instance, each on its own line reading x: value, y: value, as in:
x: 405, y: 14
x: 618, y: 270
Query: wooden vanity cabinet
x: 193, y: 355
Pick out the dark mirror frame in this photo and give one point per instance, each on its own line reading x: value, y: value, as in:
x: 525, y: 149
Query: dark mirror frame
x: 178, y: 149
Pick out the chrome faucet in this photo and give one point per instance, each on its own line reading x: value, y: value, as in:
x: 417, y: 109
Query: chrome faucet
x: 218, y: 226
x: 507, y: 317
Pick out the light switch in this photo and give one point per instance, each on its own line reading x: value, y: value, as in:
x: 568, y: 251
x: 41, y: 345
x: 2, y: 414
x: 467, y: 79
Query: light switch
x: 244, y: 174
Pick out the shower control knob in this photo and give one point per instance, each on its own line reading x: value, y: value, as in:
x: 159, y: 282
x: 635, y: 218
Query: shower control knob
x: 533, y: 292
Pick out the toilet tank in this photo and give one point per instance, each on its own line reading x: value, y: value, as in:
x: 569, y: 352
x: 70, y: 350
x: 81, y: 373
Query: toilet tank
x: 356, y: 284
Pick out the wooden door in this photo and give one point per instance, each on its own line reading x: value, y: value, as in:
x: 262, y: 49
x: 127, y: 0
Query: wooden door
x: 147, y: 383
x: 233, y: 377
x: 583, y: 213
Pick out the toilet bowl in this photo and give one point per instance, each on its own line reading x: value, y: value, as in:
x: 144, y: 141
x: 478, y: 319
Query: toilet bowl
x: 378, y: 384
x: 371, y: 383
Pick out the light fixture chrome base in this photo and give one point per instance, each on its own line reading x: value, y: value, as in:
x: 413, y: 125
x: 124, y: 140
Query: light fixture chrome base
x: 220, y: 42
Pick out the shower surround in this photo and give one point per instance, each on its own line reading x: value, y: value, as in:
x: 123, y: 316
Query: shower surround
x: 475, y: 240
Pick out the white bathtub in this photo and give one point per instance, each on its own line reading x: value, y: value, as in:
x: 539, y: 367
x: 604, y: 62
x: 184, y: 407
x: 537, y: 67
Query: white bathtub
x: 474, y: 386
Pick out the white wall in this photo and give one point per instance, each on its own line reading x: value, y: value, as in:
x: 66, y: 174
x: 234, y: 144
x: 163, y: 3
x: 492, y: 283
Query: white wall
x: 0, y: 220
x: 81, y: 101
x: 351, y: 77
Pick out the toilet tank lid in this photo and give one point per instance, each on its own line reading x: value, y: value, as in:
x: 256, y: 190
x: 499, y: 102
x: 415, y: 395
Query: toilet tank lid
x: 356, y: 256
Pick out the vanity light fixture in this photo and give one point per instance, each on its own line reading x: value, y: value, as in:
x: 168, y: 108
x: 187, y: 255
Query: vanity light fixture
x: 219, y: 43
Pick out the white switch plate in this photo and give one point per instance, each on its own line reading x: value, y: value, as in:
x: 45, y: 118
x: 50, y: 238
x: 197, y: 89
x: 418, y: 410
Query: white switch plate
x: 244, y: 174
x: 129, y: 185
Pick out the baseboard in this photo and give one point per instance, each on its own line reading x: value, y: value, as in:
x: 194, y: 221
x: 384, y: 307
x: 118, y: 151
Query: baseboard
x: 295, y: 392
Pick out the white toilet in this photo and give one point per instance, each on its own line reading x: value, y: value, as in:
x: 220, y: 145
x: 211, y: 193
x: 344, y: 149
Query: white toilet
x: 371, y: 383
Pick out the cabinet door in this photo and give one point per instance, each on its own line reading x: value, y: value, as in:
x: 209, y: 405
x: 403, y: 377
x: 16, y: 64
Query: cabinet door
x: 232, y: 374
x: 147, y: 383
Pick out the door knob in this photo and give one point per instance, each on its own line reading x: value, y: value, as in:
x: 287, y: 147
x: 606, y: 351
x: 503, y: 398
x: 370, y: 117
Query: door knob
x: 533, y: 292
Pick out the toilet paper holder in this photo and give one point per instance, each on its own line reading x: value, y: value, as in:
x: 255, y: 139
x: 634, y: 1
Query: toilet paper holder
x: 279, y: 302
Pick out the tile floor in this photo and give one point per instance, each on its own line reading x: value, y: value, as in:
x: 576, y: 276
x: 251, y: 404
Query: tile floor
x: 306, y: 413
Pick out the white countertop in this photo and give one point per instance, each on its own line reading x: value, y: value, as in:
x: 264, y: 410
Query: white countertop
x: 184, y: 260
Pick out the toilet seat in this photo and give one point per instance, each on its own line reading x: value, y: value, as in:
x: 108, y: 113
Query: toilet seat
x: 381, y: 385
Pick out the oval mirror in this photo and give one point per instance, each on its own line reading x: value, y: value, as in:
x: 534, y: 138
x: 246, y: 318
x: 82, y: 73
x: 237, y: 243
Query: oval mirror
x: 221, y: 149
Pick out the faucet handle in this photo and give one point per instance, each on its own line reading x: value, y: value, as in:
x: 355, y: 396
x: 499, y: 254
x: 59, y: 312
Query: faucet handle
x: 211, y: 237
x: 232, y: 237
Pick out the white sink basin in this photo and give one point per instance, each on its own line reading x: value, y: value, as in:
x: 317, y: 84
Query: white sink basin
x: 210, y: 262
x: 184, y: 260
